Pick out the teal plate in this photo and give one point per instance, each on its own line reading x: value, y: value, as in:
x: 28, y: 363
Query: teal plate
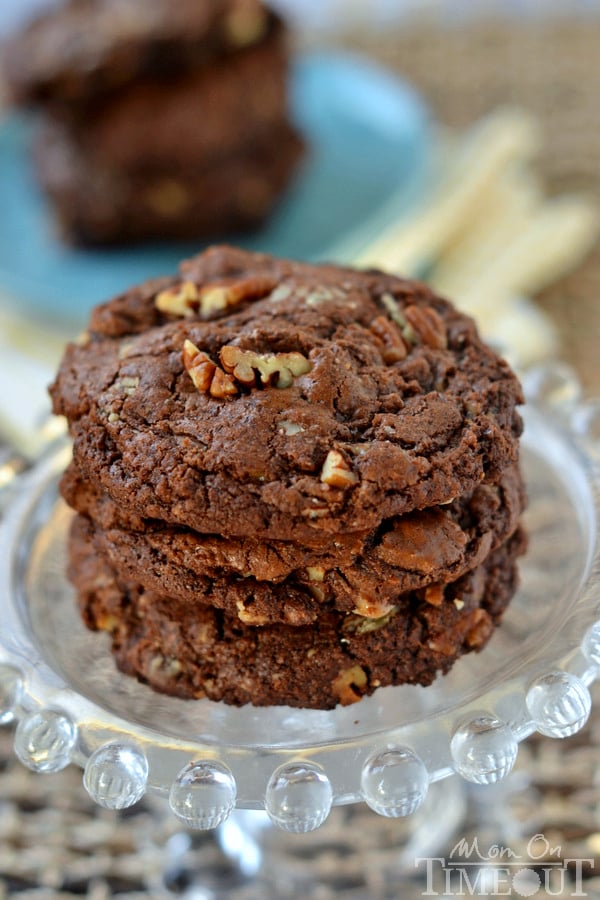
x: 368, y: 137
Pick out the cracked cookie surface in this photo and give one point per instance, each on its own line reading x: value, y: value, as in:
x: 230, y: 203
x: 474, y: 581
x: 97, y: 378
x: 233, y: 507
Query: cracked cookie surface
x: 403, y: 407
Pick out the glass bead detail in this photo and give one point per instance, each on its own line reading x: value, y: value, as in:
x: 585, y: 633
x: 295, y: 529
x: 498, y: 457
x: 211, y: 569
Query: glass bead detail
x: 484, y: 750
x: 116, y: 775
x: 394, y: 782
x: 298, y: 797
x: 203, y: 794
x: 44, y: 741
x: 559, y: 704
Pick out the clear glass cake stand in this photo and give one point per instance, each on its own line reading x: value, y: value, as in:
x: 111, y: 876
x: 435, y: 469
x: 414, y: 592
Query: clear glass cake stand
x: 58, y: 681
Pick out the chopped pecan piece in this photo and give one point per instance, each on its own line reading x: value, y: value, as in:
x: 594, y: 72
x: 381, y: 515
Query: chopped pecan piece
x: 393, y: 309
x: 199, y: 366
x: 188, y: 299
x: 316, y: 576
x: 434, y: 594
x: 290, y: 428
x: 392, y: 346
x: 222, y: 385
x: 318, y: 592
x: 227, y: 294
x: 428, y: 325
x: 336, y: 471
x: 180, y: 300
x: 396, y: 314
x: 348, y: 684
x: 278, y: 369
x: 315, y: 573
x: 357, y: 624
x: 480, y: 629
x: 207, y: 377
x: 371, y: 608
x: 249, y: 616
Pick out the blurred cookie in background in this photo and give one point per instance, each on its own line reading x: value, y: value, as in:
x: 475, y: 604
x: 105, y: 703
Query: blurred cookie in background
x: 159, y: 119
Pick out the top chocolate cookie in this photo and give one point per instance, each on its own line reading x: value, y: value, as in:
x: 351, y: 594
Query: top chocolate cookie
x: 87, y: 47
x: 255, y: 396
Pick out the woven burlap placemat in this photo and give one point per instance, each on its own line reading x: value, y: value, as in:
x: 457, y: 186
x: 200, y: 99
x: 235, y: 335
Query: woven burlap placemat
x: 55, y: 843
x: 550, y: 68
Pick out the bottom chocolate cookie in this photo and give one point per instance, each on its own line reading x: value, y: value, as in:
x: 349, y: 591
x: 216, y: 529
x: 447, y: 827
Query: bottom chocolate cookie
x: 194, y: 652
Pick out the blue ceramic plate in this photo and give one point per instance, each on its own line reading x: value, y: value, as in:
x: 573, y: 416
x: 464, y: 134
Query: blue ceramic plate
x: 367, y: 134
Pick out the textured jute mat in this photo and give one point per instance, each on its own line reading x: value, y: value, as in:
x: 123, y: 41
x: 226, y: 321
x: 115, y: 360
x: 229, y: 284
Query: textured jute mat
x: 54, y: 843
x: 550, y: 68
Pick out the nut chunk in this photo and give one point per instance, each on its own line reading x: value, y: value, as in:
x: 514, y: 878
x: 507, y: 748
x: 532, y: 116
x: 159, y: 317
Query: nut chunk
x: 428, y: 325
x: 215, y: 298
x: 207, y: 377
x: 187, y: 299
x: 181, y: 300
x: 336, y: 471
x: 277, y: 369
x: 349, y: 685
x: 388, y: 337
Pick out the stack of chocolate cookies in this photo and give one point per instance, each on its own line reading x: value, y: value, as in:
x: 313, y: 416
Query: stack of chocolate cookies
x: 160, y: 118
x: 293, y: 483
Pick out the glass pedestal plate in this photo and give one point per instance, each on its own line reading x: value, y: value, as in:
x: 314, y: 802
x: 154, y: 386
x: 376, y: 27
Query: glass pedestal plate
x: 243, y: 770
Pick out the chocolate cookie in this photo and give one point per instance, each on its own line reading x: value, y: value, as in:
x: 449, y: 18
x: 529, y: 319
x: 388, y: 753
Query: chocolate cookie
x: 187, y: 122
x: 280, y: 581
x: 159, y: 120
x: 89, y: 47
x: 255, y: 397
x: 191, y: 651
x: 96, y: 205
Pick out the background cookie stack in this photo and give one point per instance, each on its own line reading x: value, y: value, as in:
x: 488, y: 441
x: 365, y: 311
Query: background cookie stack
x: 161, y: 119
x: 294, y: 483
